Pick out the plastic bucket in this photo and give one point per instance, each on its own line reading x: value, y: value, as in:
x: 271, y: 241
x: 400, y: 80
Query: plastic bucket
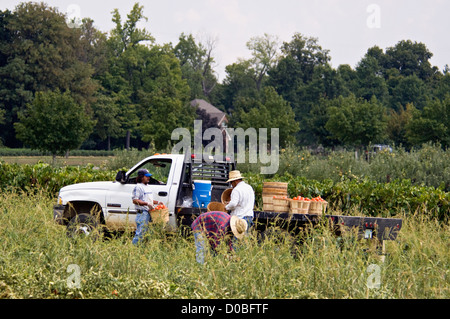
x: 201, y: 193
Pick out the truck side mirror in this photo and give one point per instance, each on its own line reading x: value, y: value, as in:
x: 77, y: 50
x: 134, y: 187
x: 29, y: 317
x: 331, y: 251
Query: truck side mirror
x: 121, y: 177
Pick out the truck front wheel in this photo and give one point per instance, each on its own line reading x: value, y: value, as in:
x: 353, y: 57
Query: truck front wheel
x: 83, y: 225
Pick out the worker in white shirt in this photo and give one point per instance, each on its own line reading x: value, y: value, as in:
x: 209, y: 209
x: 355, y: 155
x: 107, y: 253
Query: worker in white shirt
x: 242, y: 198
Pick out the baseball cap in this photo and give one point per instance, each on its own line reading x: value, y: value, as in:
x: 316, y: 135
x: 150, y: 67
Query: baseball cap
x: 144, y: 172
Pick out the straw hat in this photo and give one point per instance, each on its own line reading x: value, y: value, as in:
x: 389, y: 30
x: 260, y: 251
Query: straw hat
x: 238, y: 226
x: 234, y: 175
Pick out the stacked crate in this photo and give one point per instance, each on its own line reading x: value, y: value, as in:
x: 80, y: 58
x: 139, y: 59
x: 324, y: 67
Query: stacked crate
x: 272, y: 194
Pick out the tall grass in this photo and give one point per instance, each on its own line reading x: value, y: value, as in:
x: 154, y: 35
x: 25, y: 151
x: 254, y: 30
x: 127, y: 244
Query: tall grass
x: 35, y: 255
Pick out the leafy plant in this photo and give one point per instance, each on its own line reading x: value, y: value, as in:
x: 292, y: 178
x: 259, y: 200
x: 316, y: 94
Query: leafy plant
x: 46, y: 178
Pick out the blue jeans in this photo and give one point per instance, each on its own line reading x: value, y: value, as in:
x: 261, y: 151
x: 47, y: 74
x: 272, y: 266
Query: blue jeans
x: 200, y: 247
x: 249, y: 220
x: 142, y: 220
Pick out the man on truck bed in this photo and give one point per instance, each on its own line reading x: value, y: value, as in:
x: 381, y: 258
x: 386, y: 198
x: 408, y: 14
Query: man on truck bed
x: 242, y: 198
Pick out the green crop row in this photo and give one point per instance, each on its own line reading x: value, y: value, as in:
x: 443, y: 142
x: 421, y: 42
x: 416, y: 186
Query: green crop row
x: 47, y: 178
x: 29, y: 152
x: 366, y: 196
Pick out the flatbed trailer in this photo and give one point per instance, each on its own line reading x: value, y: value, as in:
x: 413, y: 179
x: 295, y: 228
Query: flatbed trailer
x: 365, y: 227
x: 378, y: 228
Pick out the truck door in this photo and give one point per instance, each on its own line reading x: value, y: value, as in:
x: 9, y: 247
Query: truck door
x: 121, y: 212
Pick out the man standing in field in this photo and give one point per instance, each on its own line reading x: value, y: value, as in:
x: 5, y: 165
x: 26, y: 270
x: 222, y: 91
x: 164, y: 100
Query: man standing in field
x: 143, y: 200
x: 242, y: 198
x: 213, y: 227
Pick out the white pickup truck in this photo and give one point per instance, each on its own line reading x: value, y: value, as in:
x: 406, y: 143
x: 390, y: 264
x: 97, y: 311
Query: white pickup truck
x: 86, y: 206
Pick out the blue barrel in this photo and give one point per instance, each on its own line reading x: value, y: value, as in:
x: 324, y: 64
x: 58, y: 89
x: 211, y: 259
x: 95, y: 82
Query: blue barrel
x: 201, y: 193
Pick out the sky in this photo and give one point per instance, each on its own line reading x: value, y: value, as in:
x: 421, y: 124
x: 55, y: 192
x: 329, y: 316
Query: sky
x: 347, y: 28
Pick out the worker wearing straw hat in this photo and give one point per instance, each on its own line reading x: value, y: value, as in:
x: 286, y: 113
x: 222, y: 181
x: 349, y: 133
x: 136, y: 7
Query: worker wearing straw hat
x: 242, y: 199
x: 213, y: 227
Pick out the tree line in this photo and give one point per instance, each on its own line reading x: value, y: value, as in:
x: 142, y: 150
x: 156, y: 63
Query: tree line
x: 64, y: 87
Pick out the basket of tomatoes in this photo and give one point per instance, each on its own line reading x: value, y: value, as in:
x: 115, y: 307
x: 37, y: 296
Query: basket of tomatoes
x: 160, y: 214
x: 317, y: 206
x: 299, y: 205
x: 304, y: 205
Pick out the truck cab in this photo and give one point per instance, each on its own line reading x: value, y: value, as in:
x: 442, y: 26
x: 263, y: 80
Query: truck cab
x: 111, y: 204
x: 164, y: 182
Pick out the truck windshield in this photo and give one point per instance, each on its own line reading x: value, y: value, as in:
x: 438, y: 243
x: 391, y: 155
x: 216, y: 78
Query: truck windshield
x: 160, y: 170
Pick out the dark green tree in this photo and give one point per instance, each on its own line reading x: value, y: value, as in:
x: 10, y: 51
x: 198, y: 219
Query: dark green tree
x: 145, y: 81
x: 164, y: 97
x: 318, y: 118
x: 357, y: 122
x: 349, y: 78
x: 409, y: 89
x: 127, y: 47
x: 269, y: 111
x: 295, y: 67
x: 42, y: 53
x: 397, y: 124
x: 94, y: 50
x: 431, y: 125
x: 370, y: 76
x: 238, y: 83
x: 306, y: 53
x: 301, y: 67
x: 442, y: 87
x: 108, y: 125
x: 410, y: 58
x: 197, y: 62
x: 54, y: 122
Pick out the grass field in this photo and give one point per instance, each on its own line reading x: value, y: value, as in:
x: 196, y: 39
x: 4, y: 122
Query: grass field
x: 60, y: 161
x: 37, y: 260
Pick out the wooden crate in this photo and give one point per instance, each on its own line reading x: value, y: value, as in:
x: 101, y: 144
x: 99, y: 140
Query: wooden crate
x: 268, y: 203
x: 281, y: 205
x: 271, y: 189
x: 317, y: 208
x: 299, y: 206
